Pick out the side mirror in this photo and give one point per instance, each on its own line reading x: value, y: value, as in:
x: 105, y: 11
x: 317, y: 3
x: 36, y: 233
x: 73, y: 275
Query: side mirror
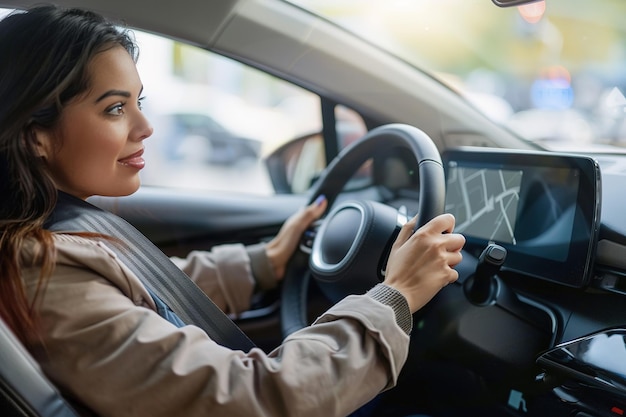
x: 297, y: 164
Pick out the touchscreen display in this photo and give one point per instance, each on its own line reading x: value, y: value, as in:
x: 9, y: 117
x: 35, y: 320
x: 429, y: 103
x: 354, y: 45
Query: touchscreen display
x: 542, y: 207
x: 484, y: 201
x: 492, y: 204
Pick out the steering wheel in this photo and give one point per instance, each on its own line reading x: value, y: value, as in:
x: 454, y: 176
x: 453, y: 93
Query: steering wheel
x: 351, y: 246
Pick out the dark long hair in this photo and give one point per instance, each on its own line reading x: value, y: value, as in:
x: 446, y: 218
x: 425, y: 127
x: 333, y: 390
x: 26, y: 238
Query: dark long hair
x: 44, y: 57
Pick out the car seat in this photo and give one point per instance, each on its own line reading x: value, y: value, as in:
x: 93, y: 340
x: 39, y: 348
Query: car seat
x: 24, y: 389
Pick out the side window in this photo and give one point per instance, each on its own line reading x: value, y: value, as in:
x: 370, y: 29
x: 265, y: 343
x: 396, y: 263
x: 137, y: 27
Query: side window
x: 216, y: 120
x: 350, y: 125
x: 350, y: 128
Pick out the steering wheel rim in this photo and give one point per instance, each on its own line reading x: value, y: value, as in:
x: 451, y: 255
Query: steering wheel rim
x: 331, y: 183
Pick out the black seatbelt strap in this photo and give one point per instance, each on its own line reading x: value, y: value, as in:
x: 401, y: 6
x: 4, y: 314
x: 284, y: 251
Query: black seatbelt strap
x: 157, y: 272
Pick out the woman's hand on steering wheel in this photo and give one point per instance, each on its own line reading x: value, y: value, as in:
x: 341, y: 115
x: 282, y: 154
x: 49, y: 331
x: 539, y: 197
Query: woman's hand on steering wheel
x: 422, y: 262
x: 280, y: 249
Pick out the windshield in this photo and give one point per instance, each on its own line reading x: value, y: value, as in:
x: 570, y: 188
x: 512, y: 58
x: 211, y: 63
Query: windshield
x: 553, y: 71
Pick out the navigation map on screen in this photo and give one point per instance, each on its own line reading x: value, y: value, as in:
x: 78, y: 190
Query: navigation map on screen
x: 543, y: 208
x: 484, y: 201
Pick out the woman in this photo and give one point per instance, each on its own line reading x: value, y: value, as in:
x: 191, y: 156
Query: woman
x: 71, y: 124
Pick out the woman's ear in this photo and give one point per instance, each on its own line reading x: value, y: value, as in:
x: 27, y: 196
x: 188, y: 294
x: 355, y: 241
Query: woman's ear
x: 42, y: 141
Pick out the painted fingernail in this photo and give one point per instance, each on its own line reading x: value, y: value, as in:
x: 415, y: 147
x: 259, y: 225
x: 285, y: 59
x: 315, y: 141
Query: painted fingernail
x: 320, y: 199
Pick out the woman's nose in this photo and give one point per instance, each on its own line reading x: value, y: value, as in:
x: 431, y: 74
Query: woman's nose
x: 144, y: 128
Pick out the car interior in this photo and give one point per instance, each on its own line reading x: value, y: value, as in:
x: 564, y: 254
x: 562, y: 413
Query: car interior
x: 535, y: 324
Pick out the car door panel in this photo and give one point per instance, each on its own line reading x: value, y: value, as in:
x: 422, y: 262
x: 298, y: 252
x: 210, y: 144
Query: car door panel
x: 178, y: 221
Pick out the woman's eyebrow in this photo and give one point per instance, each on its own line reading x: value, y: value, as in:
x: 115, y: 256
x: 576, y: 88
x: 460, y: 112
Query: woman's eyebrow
x: 113, y: 93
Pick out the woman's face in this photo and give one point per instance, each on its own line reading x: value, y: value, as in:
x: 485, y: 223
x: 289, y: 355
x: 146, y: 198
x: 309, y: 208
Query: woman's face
x: 97, y: 147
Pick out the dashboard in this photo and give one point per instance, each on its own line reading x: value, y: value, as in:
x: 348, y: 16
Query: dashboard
x: 550, y: 338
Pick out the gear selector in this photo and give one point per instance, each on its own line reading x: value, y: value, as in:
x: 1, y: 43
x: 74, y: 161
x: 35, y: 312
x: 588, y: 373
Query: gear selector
x: 482, y: 288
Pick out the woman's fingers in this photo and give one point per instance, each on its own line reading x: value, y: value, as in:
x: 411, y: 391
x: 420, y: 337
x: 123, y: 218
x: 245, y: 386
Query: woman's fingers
x: 422, y: 263
x: 405, y: 233
x: 280, y: 249
x: 315, y: 210
x: 444, y: 223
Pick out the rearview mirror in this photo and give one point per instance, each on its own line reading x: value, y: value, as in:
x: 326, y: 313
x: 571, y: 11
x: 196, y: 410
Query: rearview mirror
x: 510, y: 3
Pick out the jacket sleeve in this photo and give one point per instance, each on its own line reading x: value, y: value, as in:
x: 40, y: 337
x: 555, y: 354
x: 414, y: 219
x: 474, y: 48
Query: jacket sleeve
x: 229, y: 274
x: 103, y: 344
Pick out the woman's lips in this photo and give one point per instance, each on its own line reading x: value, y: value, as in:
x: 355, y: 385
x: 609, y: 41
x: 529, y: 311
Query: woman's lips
x: 134, y: 161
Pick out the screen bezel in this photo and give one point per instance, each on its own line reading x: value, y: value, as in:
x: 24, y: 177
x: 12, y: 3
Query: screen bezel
x: 575, y: 270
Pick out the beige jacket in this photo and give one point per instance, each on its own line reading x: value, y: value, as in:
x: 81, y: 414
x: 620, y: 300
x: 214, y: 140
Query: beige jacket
x: 104, y: 344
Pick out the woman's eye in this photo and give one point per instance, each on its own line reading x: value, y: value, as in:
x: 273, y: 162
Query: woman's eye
x: 116, y: 110
x: 140, y: 102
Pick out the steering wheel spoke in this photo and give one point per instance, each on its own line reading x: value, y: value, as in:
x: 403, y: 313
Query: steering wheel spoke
x: 308, y: 237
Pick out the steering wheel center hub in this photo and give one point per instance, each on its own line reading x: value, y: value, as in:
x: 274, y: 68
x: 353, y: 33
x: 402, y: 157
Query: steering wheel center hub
x: 344, y: 229
x: 351, y: 247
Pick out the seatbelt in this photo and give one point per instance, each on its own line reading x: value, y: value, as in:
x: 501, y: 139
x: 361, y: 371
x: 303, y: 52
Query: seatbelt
x: 156, y: 271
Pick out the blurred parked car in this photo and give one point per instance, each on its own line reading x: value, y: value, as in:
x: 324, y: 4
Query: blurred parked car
x: 199, y: 137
